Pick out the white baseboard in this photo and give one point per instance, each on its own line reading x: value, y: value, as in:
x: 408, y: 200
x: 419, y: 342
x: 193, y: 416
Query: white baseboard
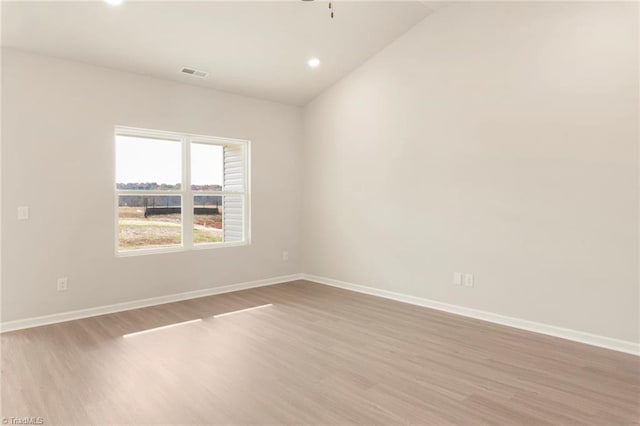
x: 551, y: 330
x: 565, y: 333
x: 142, y: 303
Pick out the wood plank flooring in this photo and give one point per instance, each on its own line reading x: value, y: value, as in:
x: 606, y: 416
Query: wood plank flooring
x: 319, y: 356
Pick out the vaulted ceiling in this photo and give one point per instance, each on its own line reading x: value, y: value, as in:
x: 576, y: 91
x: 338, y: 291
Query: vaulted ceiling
x: 258, y: 49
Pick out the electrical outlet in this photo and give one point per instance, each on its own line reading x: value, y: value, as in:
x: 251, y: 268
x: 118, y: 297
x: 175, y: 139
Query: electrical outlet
x: 457, y: 278
x: 285, y: 256
x: 62, y: 284
x: 468, y: 280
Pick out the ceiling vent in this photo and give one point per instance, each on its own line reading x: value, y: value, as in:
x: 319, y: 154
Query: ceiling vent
x: 194, y: 72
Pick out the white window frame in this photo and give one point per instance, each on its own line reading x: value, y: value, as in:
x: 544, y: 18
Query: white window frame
x: 187, y: 195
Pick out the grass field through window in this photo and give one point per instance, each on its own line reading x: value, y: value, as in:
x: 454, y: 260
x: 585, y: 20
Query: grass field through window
x: 137, y: 232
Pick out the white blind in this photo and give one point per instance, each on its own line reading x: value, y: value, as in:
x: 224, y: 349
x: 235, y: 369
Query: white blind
x: 233, y: 205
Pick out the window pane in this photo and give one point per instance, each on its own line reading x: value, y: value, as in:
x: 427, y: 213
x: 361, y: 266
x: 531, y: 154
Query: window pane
x: 148, y: 164
x: 149, y: 221
x: 233, y: 218
x: 218, y: 219
x: 207, y: 219
x: 206, y: 167
x: 234, y: 168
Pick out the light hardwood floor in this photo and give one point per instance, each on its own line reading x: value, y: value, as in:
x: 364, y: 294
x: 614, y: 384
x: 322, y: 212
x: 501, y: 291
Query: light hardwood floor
x: 318, y: 355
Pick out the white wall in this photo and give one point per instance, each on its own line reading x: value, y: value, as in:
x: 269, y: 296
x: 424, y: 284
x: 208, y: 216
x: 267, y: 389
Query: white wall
x: 495, y: 139
x: 58, y: 158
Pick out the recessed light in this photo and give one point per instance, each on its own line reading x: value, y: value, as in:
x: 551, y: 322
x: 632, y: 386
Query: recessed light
x: 114, y: 2
x: 313, y: 62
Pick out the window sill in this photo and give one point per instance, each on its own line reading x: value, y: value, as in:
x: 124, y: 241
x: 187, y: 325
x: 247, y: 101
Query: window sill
x: 167, y: 250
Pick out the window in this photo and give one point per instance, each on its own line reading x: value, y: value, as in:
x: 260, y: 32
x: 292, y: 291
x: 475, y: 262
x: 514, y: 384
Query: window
x: 178, y: 191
